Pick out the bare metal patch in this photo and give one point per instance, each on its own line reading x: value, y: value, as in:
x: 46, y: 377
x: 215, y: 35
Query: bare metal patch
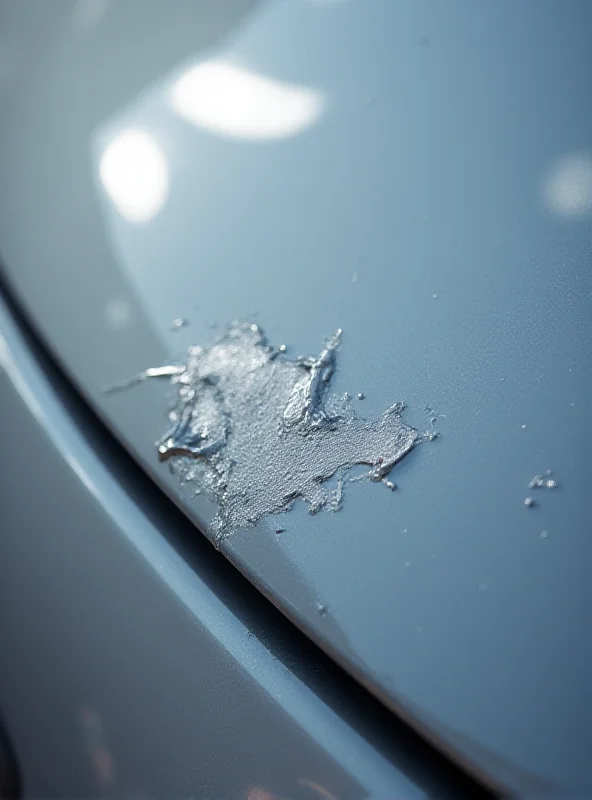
x: 257, y: 430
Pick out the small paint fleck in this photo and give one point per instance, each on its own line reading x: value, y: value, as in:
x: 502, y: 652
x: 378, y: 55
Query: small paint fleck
x: 543, y: 481
x: 523, y: 427
x: 282, y: 348
x: 544, y: 534
x: 179, y: 323
x: 529, y: 502
x: 322, y: 610
x: 361, y: 396
x: 280, y: 530
x: 404, y: 530
x: 435, y: 296
x: 390, y: 485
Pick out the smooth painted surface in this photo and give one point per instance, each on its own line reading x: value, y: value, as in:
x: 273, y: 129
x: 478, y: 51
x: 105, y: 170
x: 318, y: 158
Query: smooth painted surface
x: 416, y: 173
x: 126, y: 670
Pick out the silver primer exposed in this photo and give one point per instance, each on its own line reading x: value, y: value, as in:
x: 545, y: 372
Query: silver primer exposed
x: 543, y: 481
x: 258, y: 431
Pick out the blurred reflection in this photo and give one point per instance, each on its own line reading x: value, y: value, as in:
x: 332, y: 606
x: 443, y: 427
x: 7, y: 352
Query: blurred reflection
x: 259, y: 793
x: 568, y: 187
x: 88, y: 13
x: 118, y: 313
x: 321, y: 791
x: 135, y: 174
x: 8, y: 365
x: 100, y: 755
x: 232, y: 101
x: 313, y: 791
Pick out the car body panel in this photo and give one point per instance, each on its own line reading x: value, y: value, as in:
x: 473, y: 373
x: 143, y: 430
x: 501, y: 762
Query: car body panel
x: 134, y: 664
x: 429, y: 193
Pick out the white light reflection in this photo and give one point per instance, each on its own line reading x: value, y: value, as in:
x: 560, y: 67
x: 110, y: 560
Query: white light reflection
x: 118, y: 313
x: 8, y: 365
x: 232, y: 101
x: 135, y: 175
x: 17, y: 369
x: 568, y: 186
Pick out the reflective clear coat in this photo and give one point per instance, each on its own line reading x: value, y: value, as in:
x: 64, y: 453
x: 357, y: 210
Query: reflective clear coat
x: 418, y: 174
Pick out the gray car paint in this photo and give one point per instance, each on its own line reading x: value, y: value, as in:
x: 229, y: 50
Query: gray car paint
x: 438, y: 176
x: 129, y: 667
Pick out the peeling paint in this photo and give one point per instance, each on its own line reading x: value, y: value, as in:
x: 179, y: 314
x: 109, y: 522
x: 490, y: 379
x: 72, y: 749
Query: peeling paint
x: 257, y: 430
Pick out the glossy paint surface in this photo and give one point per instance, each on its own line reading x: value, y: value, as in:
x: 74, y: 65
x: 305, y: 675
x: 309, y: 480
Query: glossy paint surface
x: 135, y: 666
x: 418, y: 174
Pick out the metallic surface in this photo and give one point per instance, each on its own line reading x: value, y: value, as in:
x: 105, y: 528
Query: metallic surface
x: 416, y: 173
x: 257, y: 431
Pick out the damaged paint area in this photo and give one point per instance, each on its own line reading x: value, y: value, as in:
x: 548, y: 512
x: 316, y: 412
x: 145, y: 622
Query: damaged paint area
x: 257, y: 430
